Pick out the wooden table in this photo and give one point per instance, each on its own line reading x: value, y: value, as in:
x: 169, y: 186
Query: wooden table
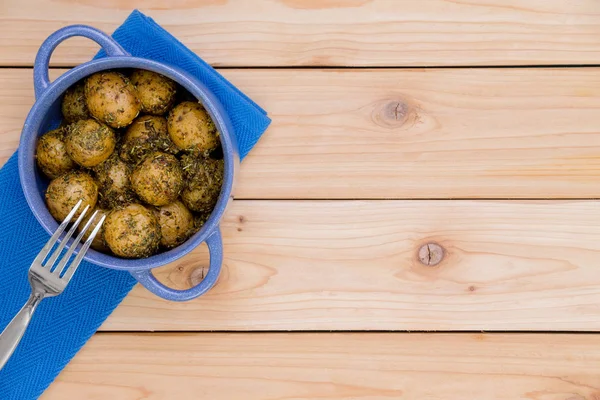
x: 432, y: 166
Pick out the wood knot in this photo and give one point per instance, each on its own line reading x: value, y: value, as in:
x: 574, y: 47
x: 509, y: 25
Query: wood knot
x: 241, y: 220
x: 431, y: 254
x: 399, y: 111
x: 394, y: 113
x: 198, y: 275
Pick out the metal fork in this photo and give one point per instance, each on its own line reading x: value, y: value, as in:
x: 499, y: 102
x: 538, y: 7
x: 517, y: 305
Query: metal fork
x: 47, y: 280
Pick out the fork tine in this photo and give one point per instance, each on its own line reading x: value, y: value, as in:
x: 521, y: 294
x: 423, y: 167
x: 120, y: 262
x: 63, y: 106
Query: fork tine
x: 48, y: 246
x: 57, y: 271
x: 73, y: 267
x: 64, y: 241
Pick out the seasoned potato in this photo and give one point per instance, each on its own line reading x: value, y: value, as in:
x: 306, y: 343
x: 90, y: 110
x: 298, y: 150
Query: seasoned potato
x: 199, y: 221
x: 158, y: 179
x: 155, y: 92
x: 176, y: 224
x: 89, y: 143
x: 191, y: 128
x: 132, y: 231
x: 74, y: 106
x: 66, y: 190
x: 111, y: 98
x: 98, y: 243
x: 51, y: 154
x: 113, y: 177
x: 146, y: 135
x: 204, y: 178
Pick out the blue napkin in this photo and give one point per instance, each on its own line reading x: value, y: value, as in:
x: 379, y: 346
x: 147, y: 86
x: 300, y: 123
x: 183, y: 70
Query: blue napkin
x: 63, y: 324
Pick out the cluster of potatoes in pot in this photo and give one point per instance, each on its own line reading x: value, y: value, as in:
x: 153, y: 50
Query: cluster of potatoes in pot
x: 135, y: 146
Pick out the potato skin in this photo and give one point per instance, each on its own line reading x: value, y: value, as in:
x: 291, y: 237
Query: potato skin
x: 111, y: 98
x: 158, y: 179
x: 204, y: 179
x: 155, y: 92
x: 89, y: 143
x: 146, y: 135
x: 74, y: 106
x: 132, y: 231
x: 191, y: 128
x: 98, y: 243
x: 114, y: 180
x: 176, y: 224
x: 66, y: 190
x: 51, y: 154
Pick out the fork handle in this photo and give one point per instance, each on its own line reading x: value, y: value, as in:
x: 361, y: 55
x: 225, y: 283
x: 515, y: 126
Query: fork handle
x: 12, y: 334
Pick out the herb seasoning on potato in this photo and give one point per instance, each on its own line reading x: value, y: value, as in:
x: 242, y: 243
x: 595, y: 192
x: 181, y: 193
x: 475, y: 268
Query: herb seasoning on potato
x: 158, y: 179
x: 191, y: 128
x: 145, y: 135
x: 89, y: 143
x: 51, y: 154
x: 111, y: 99
x: 203, y: 178
x: 155, y: 92
x: 176, y: 224
x: 74, y: 106
x: 132, y: 231
x: 66, y: 190
x: 113, y: 177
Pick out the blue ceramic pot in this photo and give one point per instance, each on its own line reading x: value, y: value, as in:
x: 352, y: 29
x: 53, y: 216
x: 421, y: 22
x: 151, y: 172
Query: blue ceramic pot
x: 46, y: 114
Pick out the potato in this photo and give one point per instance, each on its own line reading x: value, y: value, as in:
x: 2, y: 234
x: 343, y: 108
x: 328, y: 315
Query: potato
x: 132, y: 231
x: 51, y: 154
x: 176, y: 224
x: 158, y: 179
x: 111, y: 99
x: 98, y: 243
x: 74, y: 106
x: 146, y: 135
x: 191, y: 128
x: 155, y: 91
x: 204, y: 178
x: 89, y: 143
x: 66, y: 190
x: 199, y: 221
x: 113, y: 176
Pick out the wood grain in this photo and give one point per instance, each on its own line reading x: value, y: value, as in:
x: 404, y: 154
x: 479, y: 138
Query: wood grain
x: 353, y: 265
x: 326, y: 32
x: 333, y: 366
x: 459, y: 133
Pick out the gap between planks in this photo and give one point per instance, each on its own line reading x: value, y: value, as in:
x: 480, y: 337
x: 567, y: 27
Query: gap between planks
x: 357, y: 68
x: 348, y: 331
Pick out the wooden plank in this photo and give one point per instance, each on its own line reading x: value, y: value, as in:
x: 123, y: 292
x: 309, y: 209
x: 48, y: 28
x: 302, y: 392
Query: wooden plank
x: 327, y: 32
x: 354, y: 265
x: 459, y: 133
x: 333, y: 366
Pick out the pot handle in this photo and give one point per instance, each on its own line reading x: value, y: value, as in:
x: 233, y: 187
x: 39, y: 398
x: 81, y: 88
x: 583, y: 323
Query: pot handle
x: 215, y: 248
x: 40, y: 68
